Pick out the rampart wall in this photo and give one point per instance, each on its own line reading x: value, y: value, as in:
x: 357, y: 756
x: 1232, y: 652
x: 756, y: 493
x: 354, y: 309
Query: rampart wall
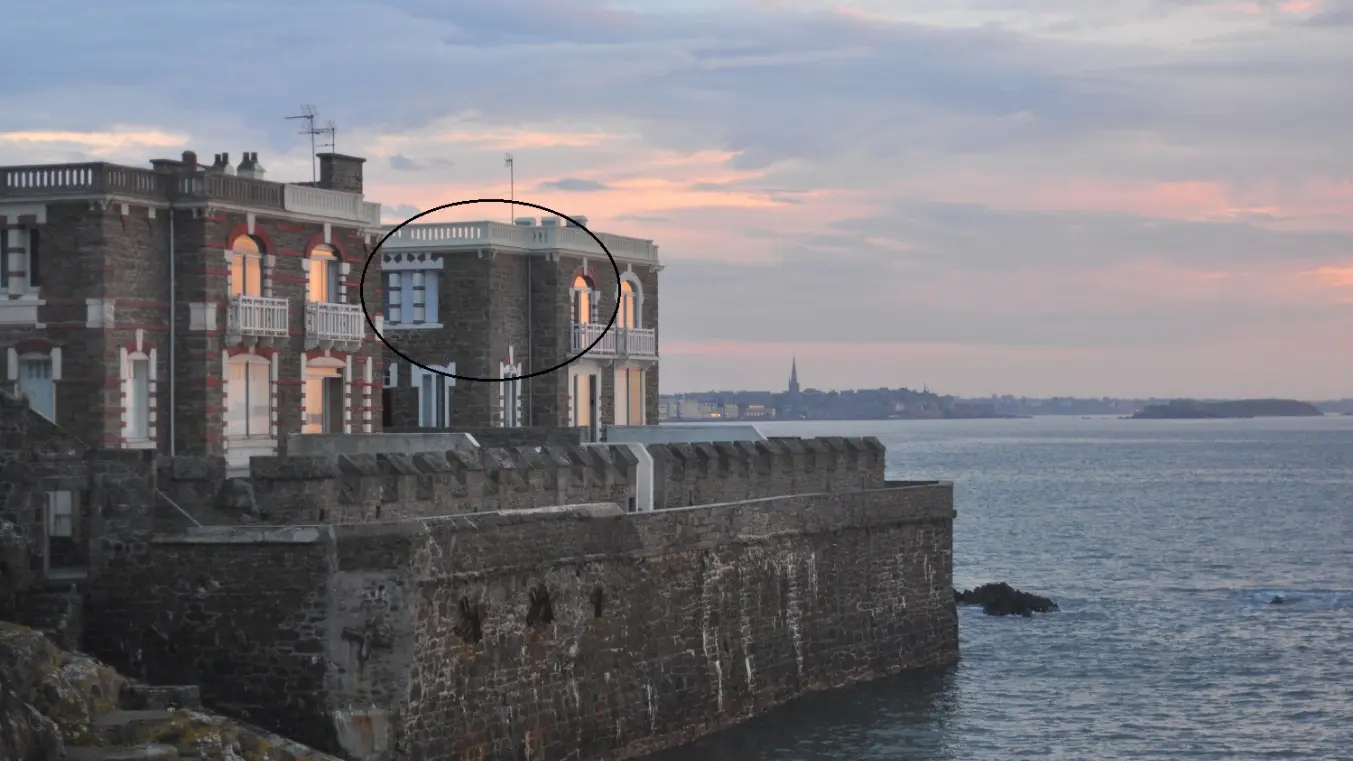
x: 583, y: 632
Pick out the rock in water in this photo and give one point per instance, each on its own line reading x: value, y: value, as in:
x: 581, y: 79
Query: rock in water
x: 1004, y: 600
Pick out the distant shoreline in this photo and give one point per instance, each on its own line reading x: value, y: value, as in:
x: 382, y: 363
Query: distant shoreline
x: 1189, y: 409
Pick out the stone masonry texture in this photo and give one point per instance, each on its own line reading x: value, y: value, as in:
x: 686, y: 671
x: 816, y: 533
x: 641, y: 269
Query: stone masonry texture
x: 532, y: 634
x: 335, y: 600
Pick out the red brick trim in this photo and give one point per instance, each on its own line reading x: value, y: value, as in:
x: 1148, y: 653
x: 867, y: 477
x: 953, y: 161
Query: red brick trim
x: 262, y: 352
x: 318, y: 240
x: 319, y: 354
x: 243, y: 229
x: 590, y: 273
x: 34, y: 345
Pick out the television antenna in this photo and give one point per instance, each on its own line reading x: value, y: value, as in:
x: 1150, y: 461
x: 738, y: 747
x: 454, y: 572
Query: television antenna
x: 309, y: 114
x: 510, y: 163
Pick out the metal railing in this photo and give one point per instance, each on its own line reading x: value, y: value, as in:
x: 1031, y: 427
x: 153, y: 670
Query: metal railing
x: 584, y: 334
x: 329, y: 324
x: 258, y: 316
x: 639, y: 343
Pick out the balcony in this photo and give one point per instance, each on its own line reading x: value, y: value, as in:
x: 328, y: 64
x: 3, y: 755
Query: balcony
x: 453, y: 236
x: 334, y: 326
x: 633, y: 343
x: 251, y: 320
x: 584, y: 335
x: 640, y: 343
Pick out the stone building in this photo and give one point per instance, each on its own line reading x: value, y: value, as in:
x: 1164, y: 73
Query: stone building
x: 187, y: 308
x: 497, y: 301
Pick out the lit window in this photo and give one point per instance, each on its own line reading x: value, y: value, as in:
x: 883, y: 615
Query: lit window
x: 249, y: 398
x: 138, y: 399
x: 246, y: 267
x: 629, y: 305
x: 584, y: 307
x: 323, y: 279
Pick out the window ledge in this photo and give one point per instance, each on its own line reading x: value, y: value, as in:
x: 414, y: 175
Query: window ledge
x: 134, y: 443
x: 413, y: 326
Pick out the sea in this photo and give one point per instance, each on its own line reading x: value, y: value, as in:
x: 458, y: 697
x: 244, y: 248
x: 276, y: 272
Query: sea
x: 1164, y: 542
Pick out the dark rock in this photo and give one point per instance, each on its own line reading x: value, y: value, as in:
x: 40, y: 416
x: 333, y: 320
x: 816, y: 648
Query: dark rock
x: 1004, y: 600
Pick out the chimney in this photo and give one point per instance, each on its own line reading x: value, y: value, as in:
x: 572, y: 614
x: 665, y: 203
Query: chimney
x: 580, y: 219
x: 246, y: 167
x: 218, y: 163
x: 225, y: 164
x: 190, y: 159
x: 525, y: 221
x: 258, y: 168
x: 339, y: 172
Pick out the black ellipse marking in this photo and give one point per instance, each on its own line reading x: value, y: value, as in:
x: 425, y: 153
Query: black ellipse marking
x: 361, y: 295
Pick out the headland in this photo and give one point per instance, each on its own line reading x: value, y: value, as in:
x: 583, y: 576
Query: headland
x: 1190, y: 409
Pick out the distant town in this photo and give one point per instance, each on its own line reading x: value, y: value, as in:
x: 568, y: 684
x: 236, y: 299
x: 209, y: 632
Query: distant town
x: 896, y: 404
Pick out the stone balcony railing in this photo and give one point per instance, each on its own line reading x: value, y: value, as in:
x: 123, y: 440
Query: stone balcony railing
x: 252, y: 320
x: 635, y: 343
x: 449, y: 236
x: 101, y: 179
x: 334, y: 326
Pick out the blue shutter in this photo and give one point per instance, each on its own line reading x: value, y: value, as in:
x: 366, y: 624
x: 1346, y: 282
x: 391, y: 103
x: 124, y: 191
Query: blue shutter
x: 430, y: 295
x: 406, y: 298
x: 4, y: 258
x: 33, y: 280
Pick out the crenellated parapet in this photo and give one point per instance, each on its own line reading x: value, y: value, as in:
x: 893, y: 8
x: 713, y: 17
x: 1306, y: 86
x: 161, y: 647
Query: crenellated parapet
x: 729, y: 471
x: 359, y: 488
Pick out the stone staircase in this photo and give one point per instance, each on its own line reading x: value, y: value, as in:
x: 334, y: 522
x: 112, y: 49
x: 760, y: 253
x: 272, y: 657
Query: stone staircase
x: 56, y: 608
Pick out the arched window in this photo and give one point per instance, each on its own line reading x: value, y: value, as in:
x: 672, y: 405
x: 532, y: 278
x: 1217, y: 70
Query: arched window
x: 629, y: 305
x: 584, y: 303
x: 324, y: 275
x: 246, y: 267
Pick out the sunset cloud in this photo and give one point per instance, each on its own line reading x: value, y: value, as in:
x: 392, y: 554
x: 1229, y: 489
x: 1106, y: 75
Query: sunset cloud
x: 1127, y: 196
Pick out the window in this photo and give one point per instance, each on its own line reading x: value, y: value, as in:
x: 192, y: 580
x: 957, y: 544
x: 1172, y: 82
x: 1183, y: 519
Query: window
x: 584, y: 301
x: 138, y: 399
x: 249, y: 398
x: 629, y: 396
x: 246, y: 267
x: 60, y: 514
x: 629, y: 305
x: 434, y: 400
x: 411, y: 298
x: 19, y: 260
x: 323, y: 400
x: 323, y: 282
x: 584, y: 401
x: 36, y: 383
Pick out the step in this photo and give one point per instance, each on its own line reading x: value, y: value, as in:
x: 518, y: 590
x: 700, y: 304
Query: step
x: 121, y: 727
x: 146, y: 752
x: 162, y: 696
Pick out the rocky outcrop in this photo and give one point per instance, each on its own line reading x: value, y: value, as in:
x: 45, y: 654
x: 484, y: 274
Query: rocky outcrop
x: 57, y: 705
x: 1004, y: 600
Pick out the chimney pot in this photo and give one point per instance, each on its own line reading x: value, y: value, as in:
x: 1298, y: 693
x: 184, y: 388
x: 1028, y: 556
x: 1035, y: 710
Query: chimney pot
x: 190, y: 158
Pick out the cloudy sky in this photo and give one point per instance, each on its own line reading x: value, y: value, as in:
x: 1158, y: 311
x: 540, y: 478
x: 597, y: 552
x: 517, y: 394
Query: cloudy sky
x: 1118, y: 197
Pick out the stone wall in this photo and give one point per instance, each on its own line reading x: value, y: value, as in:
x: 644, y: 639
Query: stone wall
x: 363, y: 488
x: 506, y: 437
x: 578, y: 632
x: 728, y: 471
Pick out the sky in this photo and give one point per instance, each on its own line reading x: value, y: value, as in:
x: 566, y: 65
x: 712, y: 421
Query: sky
x: 1036, y: 197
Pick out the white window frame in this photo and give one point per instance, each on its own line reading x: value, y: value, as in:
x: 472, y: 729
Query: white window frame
x: 16, y: 367
x: 636, y: 297
x: 509, y: 394
x: 441, y: 384
x: 415, y: 294
x: 139, y: 425
x: 61, y: 514
x: 248, y: 259
x: 250, y: 362
x: 19, y: 237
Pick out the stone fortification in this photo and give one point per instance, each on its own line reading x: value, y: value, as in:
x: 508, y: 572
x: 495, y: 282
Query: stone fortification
x: 584, y: 632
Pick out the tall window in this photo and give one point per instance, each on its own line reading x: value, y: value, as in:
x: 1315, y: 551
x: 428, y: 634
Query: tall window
x: 60, y: 514
x: 434, y: 400
x: 411, y: 298
x: 36, y: 383
x: 584, y: 307
x: 323, y: 282
x: 138, y: 398
x: 584, y: 401
x: 246, y: 267
x: 629, y: 396
x: 19, y: 259
x: 249, y: 398
x: 323, y: 400
x: 629, y: 305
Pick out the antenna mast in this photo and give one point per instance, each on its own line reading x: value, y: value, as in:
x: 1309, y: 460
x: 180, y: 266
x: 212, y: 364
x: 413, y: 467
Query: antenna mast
x: 308, y: 113
x: 510, y: 163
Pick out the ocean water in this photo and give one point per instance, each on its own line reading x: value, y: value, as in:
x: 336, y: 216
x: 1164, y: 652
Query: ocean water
x: 1163, y: 542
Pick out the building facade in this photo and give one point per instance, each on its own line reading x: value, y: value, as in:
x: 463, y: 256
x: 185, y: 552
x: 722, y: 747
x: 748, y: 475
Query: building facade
x: 187, y: 308
x: 498, y: 302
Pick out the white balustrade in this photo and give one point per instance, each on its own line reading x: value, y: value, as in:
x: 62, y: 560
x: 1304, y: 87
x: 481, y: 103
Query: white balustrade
x: 640, y: 343
x: 331, y: 203
x: 254, y: 317
x: 334, y: 325
x: 436, y: 236
x: 585, y: 334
